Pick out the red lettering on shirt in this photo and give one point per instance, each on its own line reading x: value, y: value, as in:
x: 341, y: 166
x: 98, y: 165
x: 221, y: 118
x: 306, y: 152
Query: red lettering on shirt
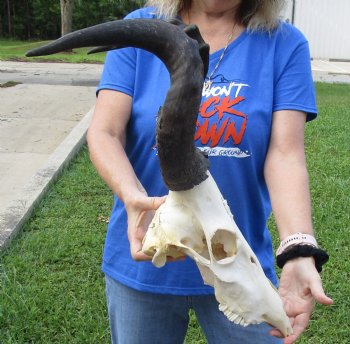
x: 228, y: 129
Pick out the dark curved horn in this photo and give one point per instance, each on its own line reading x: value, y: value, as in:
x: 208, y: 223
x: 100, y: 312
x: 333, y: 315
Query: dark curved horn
x: 102, y: 49
x: 182, y: 165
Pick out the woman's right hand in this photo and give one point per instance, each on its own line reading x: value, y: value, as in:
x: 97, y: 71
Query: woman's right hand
x: 140, y: 210
x: 106, y: 138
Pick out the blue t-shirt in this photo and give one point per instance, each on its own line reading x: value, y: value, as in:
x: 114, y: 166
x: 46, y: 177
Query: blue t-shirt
x: 260, y: 73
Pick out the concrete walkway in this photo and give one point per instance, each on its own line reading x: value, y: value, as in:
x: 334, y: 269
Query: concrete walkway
x: 43, y: 121
x: 331, y: 71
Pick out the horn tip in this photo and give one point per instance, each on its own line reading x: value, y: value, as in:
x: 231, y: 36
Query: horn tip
x: 29, y: 53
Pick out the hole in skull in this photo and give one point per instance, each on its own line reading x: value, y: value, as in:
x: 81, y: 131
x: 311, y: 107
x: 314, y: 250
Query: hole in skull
x: 198, y: 244
x: 223, y: 244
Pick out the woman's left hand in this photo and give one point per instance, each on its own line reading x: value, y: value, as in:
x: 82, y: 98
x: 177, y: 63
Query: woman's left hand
x: 300, y: 286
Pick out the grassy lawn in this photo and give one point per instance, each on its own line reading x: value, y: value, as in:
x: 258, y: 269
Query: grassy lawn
x: 51, y: 287
x: 12, y: 50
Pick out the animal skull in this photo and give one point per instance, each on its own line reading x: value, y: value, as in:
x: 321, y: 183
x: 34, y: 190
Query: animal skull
x: 198, y: 223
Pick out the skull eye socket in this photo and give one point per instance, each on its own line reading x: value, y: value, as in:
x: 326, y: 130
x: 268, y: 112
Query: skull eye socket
x: 223, y: 244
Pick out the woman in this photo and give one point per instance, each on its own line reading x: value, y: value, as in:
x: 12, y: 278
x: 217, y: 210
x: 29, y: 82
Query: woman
x: 257, y: 96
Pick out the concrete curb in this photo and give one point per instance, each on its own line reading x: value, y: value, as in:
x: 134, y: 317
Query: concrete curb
x: 18, y: 211
x: 332, y: 78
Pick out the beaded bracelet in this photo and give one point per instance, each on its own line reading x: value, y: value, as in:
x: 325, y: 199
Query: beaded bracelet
x: 294, y: 239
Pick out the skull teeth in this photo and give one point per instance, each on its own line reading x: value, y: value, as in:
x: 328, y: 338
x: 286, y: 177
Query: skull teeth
x: 232, y: 316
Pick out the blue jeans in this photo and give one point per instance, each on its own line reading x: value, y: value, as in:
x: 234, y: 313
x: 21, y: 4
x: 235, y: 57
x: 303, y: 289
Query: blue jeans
x: 144, y: 318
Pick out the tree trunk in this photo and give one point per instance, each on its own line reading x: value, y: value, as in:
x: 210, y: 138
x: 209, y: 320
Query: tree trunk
x: 9, y: 19
x: 66, y: 16
x: 1, y: 28
x: 28, y: 20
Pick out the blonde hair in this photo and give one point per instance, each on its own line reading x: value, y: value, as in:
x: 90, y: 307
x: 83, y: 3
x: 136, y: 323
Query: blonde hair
x: 253, y: 14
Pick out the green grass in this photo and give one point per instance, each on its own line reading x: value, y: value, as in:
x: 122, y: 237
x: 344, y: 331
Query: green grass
x: 51, y: 287
x: 12, y: 50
